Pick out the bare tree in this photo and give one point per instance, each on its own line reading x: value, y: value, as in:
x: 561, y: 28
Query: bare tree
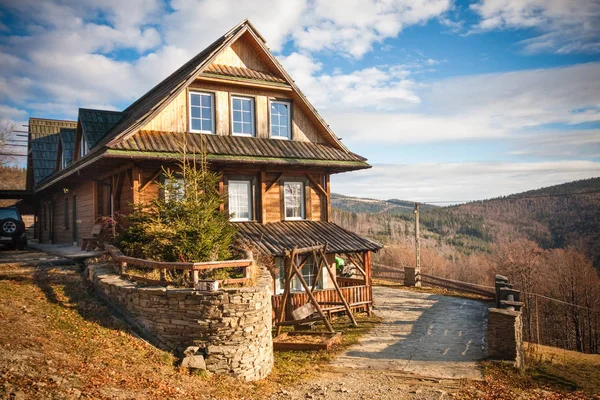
x: 7, y: 127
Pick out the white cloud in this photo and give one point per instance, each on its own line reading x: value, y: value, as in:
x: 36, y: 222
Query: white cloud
x: 459, y: 181
x: 11, y: 113
x: 484, y: 106
x: 383, y: 88
x: 566, y: 26
x: 353, y: 28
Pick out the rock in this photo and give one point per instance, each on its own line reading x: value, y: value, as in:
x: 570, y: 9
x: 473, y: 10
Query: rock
x: 191, y: 350
x: 193, y: 362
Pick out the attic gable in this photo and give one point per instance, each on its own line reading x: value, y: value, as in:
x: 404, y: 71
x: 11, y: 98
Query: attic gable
x: 251, y: 51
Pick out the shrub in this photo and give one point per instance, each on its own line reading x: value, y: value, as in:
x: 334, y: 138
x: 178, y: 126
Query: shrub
x: 185, y: 222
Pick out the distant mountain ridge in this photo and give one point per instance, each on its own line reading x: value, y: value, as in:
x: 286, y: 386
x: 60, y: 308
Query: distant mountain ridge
x: 555, y: 217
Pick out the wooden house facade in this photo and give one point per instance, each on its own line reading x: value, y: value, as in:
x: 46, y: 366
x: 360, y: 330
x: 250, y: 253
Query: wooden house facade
x: 235, y: 102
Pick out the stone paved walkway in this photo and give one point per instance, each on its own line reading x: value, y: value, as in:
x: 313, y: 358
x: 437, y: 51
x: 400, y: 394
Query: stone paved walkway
x: 424, y: 334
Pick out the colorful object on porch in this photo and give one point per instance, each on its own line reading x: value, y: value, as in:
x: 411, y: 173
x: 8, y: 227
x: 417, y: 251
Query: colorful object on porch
x: 302, y: 341
x: 339, y: 264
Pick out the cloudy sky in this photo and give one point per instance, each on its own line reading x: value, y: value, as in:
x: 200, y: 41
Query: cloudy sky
x: 449, y: 99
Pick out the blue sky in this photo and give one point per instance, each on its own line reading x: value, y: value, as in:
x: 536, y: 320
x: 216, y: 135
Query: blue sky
x: 449, y: 100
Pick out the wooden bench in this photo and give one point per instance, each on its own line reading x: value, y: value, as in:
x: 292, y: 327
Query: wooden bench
x: 304, y: 312
x: 88, y: 243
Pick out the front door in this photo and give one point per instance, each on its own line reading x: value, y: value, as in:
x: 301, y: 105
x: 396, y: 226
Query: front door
x: 74, y: 219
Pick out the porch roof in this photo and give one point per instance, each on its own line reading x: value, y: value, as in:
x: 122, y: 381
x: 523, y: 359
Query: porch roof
x: 276, y: 238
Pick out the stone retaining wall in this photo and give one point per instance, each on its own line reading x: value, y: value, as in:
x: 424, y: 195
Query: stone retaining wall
x: 232, y: 326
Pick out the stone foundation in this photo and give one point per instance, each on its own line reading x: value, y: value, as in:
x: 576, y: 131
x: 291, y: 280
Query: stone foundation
x: 232, y: 326
x: 505, y: 335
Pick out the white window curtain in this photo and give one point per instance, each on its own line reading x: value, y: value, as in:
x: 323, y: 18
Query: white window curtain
x: 240, y: 200
x: 294, y: 200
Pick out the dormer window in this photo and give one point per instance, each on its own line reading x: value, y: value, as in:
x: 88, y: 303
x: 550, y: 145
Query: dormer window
x: 202, y: 107
x: 64, y: 161
x: 83, y: 147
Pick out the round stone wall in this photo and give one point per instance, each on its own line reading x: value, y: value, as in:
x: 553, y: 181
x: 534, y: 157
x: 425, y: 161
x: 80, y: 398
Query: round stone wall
x: 232, y: 326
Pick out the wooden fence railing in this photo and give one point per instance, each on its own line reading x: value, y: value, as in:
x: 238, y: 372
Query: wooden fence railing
x: 193, y: 268
x: 358, y: 298
x: 345, y: 282
x: 397, y: 275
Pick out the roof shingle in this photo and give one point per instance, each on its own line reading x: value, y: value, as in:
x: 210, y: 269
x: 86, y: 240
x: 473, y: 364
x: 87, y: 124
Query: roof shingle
x: 43, y: 138
x: 276, y: 238
x: 154, y: 141
x: 96, y: 123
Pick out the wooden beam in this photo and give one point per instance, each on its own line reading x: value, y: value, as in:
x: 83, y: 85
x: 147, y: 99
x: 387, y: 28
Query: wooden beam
x: 317, y: 186
x: 263, y: 197
x: 115, y: 171
x: 286, y: 290
x: 135, y: 184
x: 298, y: 273
x: 275, y: 182
x: 152, y: 179
x: 222, y: 193
x: 323, y: 261
x: 328, y: 190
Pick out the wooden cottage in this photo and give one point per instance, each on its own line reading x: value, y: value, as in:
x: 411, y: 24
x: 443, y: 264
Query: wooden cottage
x: 275, y: 152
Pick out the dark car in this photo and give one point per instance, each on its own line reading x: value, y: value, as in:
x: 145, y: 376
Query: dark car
x: 12, y: 228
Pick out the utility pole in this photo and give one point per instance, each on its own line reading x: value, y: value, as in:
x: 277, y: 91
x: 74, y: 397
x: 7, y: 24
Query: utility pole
x: 417, y: 248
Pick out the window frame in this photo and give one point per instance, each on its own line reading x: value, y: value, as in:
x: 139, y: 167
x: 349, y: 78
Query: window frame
x: 83, y: 146
x: 212, y: 111
x: 302, y: 201
x: 250, y: 186
x: 288, y: 103
x: 252, y: 115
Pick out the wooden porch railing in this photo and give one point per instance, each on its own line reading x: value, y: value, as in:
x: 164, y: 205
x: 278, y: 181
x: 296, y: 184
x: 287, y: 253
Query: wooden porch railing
x: 358, y: 297
x: 193, y: 267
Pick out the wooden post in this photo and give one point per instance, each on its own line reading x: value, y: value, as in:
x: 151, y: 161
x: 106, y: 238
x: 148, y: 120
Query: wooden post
x: 163, y: 275
x: 123, y: 268
x: 328, y: 190
x: 286, y: 289
x: 263, y: 197
x: 222, y: 192
x: 323, y: 260
x: 312, y: 297
x: 195, y: 278
x: 417, y: 248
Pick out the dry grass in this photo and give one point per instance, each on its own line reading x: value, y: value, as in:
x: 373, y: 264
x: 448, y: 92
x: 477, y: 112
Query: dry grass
x: 550, y: 373
x: 57, y: 340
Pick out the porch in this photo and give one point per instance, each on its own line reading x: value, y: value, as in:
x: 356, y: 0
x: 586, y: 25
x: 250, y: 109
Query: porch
x: 357, y: 293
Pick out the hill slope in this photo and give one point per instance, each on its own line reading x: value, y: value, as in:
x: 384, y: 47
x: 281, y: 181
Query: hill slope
x: 554, y: 217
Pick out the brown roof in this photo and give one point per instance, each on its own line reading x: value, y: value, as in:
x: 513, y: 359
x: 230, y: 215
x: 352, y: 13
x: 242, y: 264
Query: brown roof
x: 276, y: 238
x: 168, y: 142
x: 246, y: 73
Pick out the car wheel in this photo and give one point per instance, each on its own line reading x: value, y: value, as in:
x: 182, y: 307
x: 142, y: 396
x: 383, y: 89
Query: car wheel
x: 9, y: 226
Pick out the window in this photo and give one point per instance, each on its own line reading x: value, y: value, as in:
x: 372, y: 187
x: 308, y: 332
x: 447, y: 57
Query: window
x: 66, y: 211
x: 201, y: 112
x: 174, y: 188
x: 280, y: 120
x: 240, y: 200
x: 83, y: 146
x: 294, y: 200
x: 242, y: 116
x: 65, y: 161
x: 309, y: 273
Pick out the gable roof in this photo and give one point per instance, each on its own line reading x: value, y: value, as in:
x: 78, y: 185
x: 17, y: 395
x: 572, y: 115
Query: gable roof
x: 43, y: 142
x: 96, y: 123
x: 151, y: 103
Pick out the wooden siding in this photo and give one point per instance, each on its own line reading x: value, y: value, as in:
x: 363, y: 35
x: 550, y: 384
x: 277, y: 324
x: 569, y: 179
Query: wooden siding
x: 85, y: 213
x: 174, y: 118
x: 240, y: 54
